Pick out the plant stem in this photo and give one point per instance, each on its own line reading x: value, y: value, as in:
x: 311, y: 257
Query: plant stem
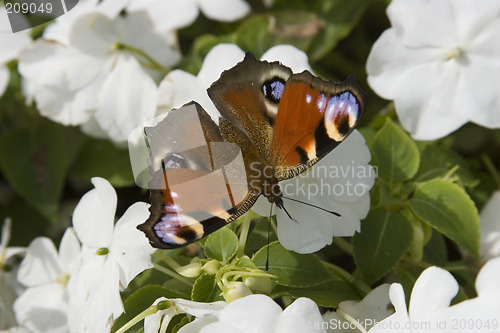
x: 173, y: 274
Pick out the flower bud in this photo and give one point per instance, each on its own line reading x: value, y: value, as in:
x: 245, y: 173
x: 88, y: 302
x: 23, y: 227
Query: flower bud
x: 211, y: 267
x: 236, y: 290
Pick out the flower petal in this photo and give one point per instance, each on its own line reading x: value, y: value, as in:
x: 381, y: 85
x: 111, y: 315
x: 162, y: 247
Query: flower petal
x: 432, y: 294
x: 43, y: 309
x: 94, y: 215
x: 69, y: 251
x: 153, y: 322
x: 399, y: 322
x: 438, y: 29
x: 188, y: 87
x: 60, y: 29
x: 41, y: 264
x: 224, y: 10
x: 253, y: 313
x: 487, y: 279
x: 345, y: 173
x: 374, y: 307
x: 425, y: 110
x: 129, y: 247
x: 474, y: 16
x: 301, y: 316
x: 218, y: 327
x: 198, y: 325
x: 199, y: 309
x: 490, y: 228
x: 483, y: 309
x: 94, y: 296
x: 12, y: 43
x: 120, y: 98
x: 220, y: 58
x: 312, y: 228
x: 4, y: 78
x: 289, y: 56
x: 476, y: 75
x: 390, y: 59
x: 136, y: 29
x: 167, y: 15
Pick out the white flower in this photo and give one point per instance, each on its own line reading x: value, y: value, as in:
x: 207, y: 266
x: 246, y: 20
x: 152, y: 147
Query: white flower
x: 339, y: 182
x: 490, y: 228
x: 253, y: 313
x: 165, y: 15
x: 60, y: 29
x: 430, y: 310
x: 12, y: 44
x: 352, y: 316
x: 112, y: 255
x: 10, y: 288
x: 43, y: 306
x: 101, y: 80
x: 205, y: 313
x: 439, y: 63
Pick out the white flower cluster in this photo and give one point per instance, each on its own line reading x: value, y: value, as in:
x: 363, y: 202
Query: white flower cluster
x: 98, y: 68
x: 77, y: 288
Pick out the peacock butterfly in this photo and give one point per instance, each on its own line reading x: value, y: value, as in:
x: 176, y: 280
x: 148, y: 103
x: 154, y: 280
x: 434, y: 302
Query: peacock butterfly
x: 274, y: 125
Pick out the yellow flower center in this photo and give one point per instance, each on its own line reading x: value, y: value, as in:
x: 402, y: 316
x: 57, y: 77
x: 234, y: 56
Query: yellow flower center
x: 455, y: 53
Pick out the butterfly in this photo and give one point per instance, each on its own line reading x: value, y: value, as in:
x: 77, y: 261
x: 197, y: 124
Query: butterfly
x: 274, y: 125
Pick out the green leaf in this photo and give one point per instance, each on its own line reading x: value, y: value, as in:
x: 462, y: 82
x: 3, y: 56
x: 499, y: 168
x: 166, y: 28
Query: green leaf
x: 178, y: 288
x: 447, y: 208
x: 435, y: 251
x: 140, y: 301
x: 328, y: 294
x: 221, y: 245
x: 339, y: 18
x: 381, y: 244
x: 100, y: 158
x: 437, y: 162
x: 397, y: 155
x: 258, y: 236
x: 205, y: 289
x: 294, y: 27
x: 293, y: 269
x: 35, y: 161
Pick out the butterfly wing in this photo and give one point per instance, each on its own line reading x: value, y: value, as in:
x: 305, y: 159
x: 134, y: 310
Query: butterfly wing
x: 198, y: 181
x: 314, y: 116
x: 248, y: 96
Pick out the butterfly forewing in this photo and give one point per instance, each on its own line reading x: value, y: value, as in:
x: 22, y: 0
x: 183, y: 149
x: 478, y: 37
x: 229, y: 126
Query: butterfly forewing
x: 198, y: 185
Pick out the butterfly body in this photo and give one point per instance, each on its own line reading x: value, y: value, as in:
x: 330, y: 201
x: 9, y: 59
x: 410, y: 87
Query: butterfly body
x: 274, y: 125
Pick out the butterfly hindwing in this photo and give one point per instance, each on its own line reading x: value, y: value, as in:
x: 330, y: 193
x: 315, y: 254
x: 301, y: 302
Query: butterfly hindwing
x: 198, y: 183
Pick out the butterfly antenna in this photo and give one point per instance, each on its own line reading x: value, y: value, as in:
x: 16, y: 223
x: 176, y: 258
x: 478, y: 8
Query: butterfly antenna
x: 309, y: 204
x: 268, y: 236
